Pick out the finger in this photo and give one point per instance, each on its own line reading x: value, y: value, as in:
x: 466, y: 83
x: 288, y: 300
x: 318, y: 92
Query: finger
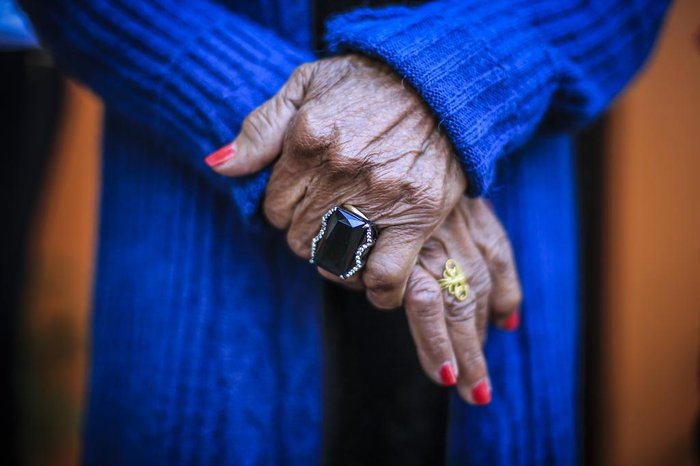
x: 389, y: 264
x: 262, y: 133
x: 465, y: 319
x: 286, y: 189
x: 306, y: 220
x: 466, y: 325
x: 492, y: 240
x: 426, y: 320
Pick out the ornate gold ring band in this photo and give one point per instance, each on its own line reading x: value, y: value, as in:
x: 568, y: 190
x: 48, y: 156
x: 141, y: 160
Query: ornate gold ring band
x: 454, y: 281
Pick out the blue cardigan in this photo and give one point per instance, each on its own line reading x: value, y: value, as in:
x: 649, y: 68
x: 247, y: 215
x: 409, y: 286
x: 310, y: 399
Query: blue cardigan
x: 206, y: 336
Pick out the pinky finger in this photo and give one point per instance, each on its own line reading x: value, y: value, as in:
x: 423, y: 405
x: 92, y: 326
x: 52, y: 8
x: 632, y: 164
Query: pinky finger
x: 492, y: 240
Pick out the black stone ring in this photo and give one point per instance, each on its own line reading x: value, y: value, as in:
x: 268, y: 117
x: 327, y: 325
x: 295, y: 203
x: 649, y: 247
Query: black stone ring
x: 343, y: 242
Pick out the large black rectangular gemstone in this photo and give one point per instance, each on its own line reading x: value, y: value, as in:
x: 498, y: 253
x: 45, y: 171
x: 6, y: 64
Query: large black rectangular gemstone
x: 345, y: 232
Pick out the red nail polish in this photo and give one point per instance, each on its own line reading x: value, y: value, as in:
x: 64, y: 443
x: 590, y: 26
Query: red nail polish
x: 512, y: 322
x: 447, y: 375
x: 481, y: 393
x: 221, y: 155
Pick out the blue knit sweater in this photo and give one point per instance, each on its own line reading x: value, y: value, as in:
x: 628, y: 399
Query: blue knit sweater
x: 206, y: 345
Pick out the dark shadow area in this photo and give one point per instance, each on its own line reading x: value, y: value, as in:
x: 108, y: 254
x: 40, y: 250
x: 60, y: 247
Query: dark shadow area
x: 380, y: 407
x: 30, y: 92
x: 591, y: 178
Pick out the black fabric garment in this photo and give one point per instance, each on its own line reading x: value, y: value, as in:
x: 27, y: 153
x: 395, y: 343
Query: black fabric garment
x: 380, y: 408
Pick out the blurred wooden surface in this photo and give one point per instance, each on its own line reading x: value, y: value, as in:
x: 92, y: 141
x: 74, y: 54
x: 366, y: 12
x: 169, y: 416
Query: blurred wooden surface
x: 54, y: 356
x: 652, y: 294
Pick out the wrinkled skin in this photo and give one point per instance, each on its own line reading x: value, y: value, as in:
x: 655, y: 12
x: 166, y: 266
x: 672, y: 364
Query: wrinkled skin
x: 375, y: 146
x: 349, y: 131
x: 444, y: 328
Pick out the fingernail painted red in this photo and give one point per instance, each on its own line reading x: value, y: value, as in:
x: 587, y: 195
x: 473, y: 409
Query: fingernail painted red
x: 512, y: 322
x: 221, y: 155
x: 447, y: 375
x: 481, y: 393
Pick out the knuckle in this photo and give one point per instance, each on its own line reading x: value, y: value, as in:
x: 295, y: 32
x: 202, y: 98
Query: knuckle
x: 298, y: 246
x: 423, y: 306
x: 383, y: 277
x: 462, y: 312
x: 303, y: 72
x: 422, y: 298
x: 499, y: 255
x: 424, y: 293
x: 381, y: 179
x: 473, y: 359
x: 258, y: 124
x: 383, y: 300
x: 436, y: 345
x: 309, y: 135
x: 340, y: 164
x: 432, y: 252
x: 480, y: 280
x: 275, y: 215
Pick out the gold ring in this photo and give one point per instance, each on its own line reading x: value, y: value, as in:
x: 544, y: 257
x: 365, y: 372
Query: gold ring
x: 454, y: 281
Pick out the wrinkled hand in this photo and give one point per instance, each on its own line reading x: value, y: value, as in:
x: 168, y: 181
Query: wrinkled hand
x: 449, y: 334
x: 349, y: 131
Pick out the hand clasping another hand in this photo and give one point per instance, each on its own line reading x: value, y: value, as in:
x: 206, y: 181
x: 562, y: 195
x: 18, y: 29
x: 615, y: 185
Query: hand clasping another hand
x: 347, y: 130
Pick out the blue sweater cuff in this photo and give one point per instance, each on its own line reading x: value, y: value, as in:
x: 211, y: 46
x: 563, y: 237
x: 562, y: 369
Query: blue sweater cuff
x: 478, y: 86
x: 494, y: 71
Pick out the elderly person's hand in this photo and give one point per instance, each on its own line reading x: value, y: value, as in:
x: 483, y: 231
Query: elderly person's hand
x: 349, y: 131
x: 448, y: 332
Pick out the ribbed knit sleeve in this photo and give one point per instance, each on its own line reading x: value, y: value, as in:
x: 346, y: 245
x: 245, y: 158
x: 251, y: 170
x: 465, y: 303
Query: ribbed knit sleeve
x: 188, y: 71
x: 495, y: 72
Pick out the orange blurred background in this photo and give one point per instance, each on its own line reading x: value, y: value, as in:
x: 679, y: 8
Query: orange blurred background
x: 648, y: 340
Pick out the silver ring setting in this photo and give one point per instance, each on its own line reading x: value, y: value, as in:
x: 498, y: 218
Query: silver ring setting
x: 343, y: 242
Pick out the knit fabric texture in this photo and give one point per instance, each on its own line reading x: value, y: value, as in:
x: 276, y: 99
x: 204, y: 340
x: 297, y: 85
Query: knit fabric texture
x: 206, y: 330
x: 495, y: 72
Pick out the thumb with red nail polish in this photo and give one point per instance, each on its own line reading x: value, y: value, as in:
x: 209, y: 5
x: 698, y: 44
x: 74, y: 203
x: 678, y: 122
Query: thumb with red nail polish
x: 221, y: 156
x: 260, y: 141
